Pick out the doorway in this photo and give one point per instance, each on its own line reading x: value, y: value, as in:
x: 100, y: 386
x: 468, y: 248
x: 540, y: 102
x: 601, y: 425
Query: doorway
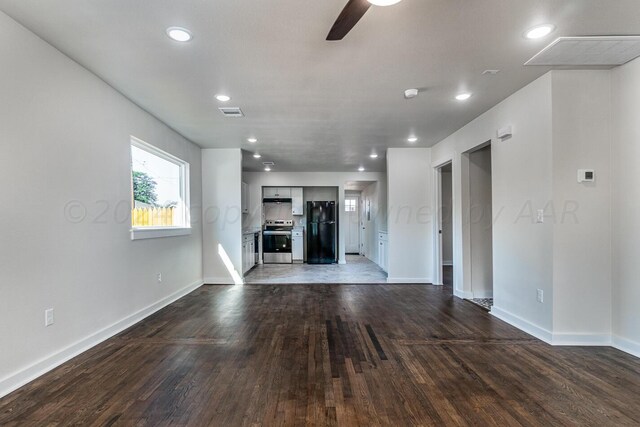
x: 446, y: 223
x: 480, y: 226
x: 352, y: 218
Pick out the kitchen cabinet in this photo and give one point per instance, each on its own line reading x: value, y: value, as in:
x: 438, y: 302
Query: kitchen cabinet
x: 276, y: 192
x: 248, y: 252
x: 297, y: 202
x: 383, y: 251
x: 297, y: 245
x: 245, y: 198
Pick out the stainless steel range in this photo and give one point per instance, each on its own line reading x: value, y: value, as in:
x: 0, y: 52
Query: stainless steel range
x: 276, y: 241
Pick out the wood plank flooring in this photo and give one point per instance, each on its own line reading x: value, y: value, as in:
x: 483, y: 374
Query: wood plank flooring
x: 330, y: 355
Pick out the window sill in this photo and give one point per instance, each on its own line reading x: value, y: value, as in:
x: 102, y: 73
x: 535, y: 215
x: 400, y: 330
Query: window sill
x: 154, y: 233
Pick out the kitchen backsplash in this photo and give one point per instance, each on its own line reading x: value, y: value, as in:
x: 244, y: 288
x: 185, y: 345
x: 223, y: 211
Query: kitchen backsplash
x: 277, y: 211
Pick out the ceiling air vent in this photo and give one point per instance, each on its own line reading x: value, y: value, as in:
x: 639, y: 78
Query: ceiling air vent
x: 591, y: 51
x: 268, y: 163
x: 231, y: 111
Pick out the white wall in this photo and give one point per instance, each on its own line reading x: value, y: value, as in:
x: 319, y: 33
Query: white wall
x: 561, y: 122
x: 410, y: 215
x: 522, y: 183
x: 581, y: 106
x: 257, y: 180
x: 480, y: 223
x: 625, y: 207
x: 222, y: 215
x: 65, y: 168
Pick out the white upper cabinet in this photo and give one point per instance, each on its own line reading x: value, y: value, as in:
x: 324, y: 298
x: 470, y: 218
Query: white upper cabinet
x: 276, y: 192
x: 297, y: 202
x: 269, y: 192
x: 283, y: 192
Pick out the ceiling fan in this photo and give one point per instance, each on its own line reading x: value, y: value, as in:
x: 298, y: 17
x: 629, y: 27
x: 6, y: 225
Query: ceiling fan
x: 351, y: 14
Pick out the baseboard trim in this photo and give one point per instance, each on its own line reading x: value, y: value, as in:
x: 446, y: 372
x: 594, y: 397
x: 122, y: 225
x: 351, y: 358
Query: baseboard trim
x: 462, y: 294
x: 41, y: 367
x: 218, y: 281
x: 408, y: 280
x: 626, y: 345
x: 596, y: 340
x: 522, y: 324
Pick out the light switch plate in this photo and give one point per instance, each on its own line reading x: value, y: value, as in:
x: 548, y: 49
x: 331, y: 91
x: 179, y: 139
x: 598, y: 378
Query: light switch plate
x: 48, y: 317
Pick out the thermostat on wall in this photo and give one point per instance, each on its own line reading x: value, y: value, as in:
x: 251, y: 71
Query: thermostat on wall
x: 586, y: 175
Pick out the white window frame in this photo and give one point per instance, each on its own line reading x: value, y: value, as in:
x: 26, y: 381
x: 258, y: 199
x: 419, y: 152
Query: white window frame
x: 183, y: 208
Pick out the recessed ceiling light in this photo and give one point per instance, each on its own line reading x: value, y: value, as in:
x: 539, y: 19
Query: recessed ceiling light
x: 252, y: 140
x: 373, y: 155
x: 463, y: 96
x: 384, y: 2
x: 411, y: 93
x: 223, y: 98
x: 361, y: 169
x: 267, y: 169
x: 539, y: 31
x: 412, y: 139
x: 179, y: 34
x: 256, y: 155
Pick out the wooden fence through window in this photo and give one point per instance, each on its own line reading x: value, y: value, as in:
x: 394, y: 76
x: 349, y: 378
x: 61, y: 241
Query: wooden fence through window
x: 152, y: 217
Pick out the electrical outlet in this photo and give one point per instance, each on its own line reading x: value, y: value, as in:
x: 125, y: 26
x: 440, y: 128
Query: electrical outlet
x: 540, y: 216
x: 540, y: 295
x: 159, y: 277
x: 48, y: 317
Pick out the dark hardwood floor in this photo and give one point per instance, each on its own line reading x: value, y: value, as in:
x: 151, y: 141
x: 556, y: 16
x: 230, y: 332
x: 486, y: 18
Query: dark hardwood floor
x: 394, y: 355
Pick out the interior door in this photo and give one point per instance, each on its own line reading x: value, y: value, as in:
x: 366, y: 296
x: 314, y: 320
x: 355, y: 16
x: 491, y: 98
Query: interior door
x: 352, y: 217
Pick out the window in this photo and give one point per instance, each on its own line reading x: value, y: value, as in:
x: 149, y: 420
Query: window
x: 160, y: 193
x: 350, y: 205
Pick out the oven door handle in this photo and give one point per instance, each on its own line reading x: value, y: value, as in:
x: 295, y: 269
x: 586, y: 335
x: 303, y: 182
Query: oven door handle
x: 277, y: 233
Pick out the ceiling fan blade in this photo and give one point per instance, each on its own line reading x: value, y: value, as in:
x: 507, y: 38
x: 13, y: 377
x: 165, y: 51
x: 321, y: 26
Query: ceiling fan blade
x: 348, y: 18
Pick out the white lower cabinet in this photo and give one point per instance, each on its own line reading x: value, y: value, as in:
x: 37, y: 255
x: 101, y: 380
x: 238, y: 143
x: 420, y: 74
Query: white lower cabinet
x: 248, y: 252
x: 383, y: 251
x: 297, y: 245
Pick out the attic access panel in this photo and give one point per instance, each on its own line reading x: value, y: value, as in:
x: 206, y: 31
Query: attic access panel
x: 594, y: 51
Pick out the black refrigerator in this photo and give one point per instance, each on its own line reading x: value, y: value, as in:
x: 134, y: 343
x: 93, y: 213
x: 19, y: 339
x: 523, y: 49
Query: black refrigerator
x: 321, y: 232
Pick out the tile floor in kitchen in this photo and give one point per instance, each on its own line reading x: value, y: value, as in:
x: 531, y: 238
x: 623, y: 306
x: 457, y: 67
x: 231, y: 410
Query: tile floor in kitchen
x: 358, y: 269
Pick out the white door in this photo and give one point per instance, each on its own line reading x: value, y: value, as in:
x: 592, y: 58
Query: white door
x: 352, y: 217
x: 363, y: 227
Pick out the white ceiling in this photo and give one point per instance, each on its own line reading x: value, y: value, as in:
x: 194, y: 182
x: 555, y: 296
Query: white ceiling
x: 314, y: 105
